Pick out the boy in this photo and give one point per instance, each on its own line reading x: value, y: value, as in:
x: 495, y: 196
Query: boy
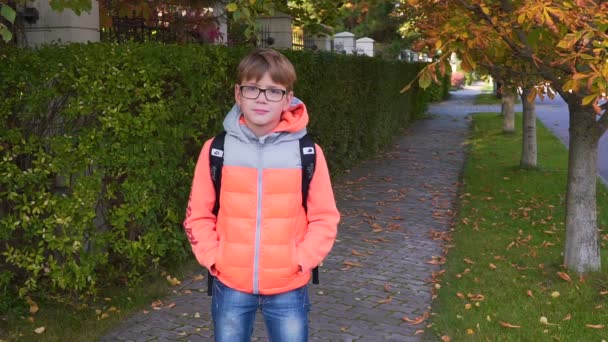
x: 263, y: 243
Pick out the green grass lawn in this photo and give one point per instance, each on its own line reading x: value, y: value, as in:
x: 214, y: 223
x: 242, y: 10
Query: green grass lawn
x: 90, y: 320
x: 506, y: 249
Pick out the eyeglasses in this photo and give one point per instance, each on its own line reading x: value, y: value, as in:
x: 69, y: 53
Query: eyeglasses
x: 252, y: 93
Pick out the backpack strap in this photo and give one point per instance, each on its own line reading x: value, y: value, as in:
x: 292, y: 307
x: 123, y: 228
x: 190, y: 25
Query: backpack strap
x: 216, y: 162
x: 308, y: 157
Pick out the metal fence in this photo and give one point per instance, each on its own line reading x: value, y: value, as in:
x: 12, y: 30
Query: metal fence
x: 136, y: 29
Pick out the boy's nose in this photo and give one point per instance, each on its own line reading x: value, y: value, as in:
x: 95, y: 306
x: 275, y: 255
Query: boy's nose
x: 261, y: 98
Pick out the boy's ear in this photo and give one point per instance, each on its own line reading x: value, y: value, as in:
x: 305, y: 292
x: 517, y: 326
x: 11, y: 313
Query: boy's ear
x: 236, y: 94
x: 288, y: 97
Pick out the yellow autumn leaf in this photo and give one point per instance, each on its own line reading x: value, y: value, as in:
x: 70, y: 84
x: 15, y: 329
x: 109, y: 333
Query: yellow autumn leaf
x: 595, y: 326
x: 232, y: 7
x: 485, y: 9
x: 39, y: 330
x: 438, y: 44
x: 173, y: 281
x: 588, y: 99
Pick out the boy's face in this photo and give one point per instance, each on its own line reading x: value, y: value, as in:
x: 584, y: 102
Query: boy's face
x: 261, y: 114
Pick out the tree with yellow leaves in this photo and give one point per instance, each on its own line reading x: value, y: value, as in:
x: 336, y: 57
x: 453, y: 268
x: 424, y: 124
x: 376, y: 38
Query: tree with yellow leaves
x: 566, y: 44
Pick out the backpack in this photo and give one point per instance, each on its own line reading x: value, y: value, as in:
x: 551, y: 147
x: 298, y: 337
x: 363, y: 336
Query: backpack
x: 216, y: 162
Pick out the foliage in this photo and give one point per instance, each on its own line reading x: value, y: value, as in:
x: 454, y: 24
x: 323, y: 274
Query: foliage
x: 504, y: 263
x: 7, y: 13
x: 182, y: 20
x: 99, y: 141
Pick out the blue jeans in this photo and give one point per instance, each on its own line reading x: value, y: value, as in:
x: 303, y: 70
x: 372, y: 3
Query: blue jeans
x: 285, y: 314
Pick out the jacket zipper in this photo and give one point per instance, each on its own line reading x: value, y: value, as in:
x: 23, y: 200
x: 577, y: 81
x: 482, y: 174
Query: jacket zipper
x: 258, y: 220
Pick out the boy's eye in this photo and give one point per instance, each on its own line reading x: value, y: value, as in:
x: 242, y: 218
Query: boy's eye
x: 275, y: 91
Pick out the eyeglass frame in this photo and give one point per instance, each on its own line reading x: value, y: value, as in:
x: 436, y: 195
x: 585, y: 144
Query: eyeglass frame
x: 260, y: 91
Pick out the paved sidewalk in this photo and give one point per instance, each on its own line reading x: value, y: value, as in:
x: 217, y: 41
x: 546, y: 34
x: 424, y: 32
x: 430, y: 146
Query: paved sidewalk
x: 379, y: 270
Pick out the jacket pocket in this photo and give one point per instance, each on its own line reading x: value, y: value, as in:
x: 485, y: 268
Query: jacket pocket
x: 219, y: 258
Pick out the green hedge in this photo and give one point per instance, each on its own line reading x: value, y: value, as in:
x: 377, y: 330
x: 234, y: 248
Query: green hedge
x: 98, y: 144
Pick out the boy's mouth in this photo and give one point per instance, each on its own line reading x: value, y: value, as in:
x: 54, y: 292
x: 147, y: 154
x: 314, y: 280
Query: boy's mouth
x: 260, y: 111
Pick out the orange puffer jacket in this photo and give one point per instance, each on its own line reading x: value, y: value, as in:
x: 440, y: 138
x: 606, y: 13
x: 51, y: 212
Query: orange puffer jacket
x: 262, y: 240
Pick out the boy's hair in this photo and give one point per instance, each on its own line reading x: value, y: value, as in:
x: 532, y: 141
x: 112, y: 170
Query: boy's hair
x: 260, y: 61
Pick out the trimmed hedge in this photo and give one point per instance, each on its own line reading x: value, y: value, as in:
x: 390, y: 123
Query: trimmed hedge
x: 98, y: 144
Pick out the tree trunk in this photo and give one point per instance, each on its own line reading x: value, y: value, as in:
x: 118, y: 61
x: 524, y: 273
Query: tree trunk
x: 582, y: 251
x: 529, y: 151
x: 508, y: 113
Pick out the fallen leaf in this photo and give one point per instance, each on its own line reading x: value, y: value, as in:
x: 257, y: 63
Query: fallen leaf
x: 468, y: 261
x: 172, y: 305
x: 564, y: 276
x: 387, y: 287
x: 157, y: 303
x: 197, y: 315
x: 603, y: 292
x: 418, y: 332
x: 567, y: 318
x: 352, y: 264
x: 377, y: 228
x: 385, y: 300
x: 436, y: 260
x: 33, y: 306
x: 104, y: 315
x: 467, y: 306
x: 554, y: 294
x: 198, y: 277
x: 476, y: 297
x: 39, y: 330
x: 595, y: 326
x: 416, y: 320
x: 445, y: 338
x: 356, y: 253
x: 173, y: 281
x: 492, y: 266
x: 508, y: 325
x: 460, y: 295
x: 529, y: 293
